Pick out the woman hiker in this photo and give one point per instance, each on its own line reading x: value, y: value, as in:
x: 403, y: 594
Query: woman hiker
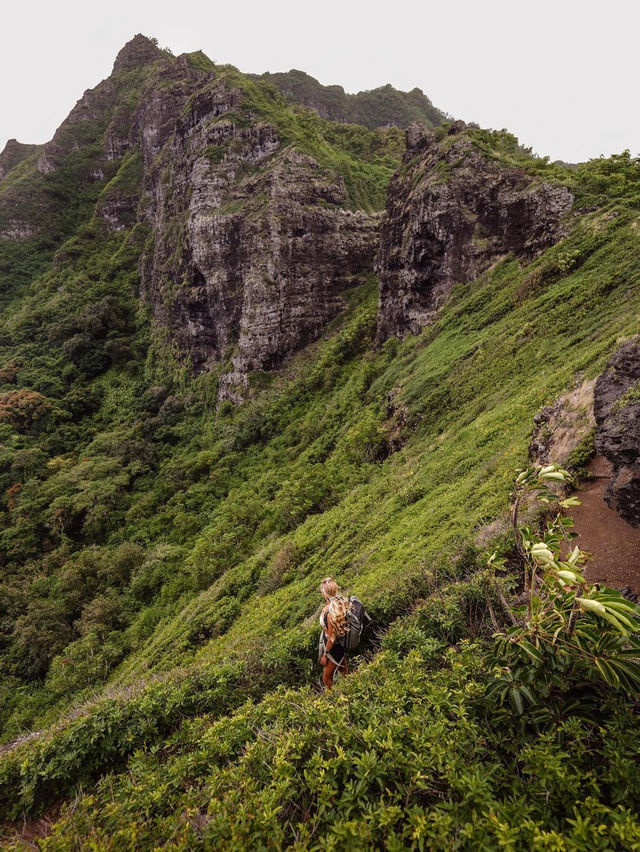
x: 334, y: 627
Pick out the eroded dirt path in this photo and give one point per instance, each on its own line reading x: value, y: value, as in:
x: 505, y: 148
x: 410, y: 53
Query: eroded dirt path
x: 613, y: 543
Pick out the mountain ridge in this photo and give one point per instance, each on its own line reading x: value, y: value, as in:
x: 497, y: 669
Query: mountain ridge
x: 382, y: 106
x: 397, y: 108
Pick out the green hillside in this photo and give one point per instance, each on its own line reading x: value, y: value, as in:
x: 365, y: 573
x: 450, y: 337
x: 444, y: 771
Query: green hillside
x: 162, y: 554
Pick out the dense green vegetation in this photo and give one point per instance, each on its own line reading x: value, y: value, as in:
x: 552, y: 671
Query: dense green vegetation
x: 379, y: 107
x: 161, y: 557
x: 93, y: 405
x: 365, y: 159
x: 565, y: 635
x: 402, y: 756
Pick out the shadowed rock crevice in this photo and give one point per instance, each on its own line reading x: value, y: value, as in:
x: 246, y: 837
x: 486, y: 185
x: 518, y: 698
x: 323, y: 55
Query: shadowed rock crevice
x: 617, y: 413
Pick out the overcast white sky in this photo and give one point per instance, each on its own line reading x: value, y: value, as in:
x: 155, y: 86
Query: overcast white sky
x: 560, y: 74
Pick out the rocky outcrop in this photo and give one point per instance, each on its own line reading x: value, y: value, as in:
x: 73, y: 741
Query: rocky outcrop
x: 99, y: 126
x: 452, y: 211
x: 303, y: 250
x: 102, y: 107
x: 560, y: 427
x: 137, y: 52
x: 253, y: 244
x: 617, y: 413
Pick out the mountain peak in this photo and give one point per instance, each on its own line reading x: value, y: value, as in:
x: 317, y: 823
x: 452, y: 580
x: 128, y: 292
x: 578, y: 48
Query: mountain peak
x: 138, y: 51
x: 12, y: 154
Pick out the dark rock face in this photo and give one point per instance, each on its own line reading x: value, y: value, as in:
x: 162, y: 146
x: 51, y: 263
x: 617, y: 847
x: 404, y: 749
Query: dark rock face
x: 252, y: 242
x: 451, y: 213
x: 617, y: 412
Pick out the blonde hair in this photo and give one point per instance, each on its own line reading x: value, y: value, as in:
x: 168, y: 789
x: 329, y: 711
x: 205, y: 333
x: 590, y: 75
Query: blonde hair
x: 329, y: 587
x: 338, y: 610
x: 339, y: 607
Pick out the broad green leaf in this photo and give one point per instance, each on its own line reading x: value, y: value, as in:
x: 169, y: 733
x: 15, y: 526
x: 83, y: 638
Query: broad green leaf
x: 607, y: 672
x: 533, y: 652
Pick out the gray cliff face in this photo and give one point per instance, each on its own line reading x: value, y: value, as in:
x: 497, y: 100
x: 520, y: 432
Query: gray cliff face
x: 253, y: 244
x: 617, y: 412
x: 451, y: 213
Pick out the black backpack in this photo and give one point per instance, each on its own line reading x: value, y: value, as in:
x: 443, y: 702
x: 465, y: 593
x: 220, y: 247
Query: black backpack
x: 357, y: 619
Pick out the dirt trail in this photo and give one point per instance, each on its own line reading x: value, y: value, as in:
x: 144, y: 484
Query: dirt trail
x: 28, y: 832
x: 613, y: 543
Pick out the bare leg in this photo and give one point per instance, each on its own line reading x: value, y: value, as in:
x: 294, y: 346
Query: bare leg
x: 327, y: 674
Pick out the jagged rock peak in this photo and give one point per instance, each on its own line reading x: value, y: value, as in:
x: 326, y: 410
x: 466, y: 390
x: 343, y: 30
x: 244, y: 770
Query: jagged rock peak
x: 138, y: 51
x: 13, y: 153
x: 374, y: 108
x: 452, y: 211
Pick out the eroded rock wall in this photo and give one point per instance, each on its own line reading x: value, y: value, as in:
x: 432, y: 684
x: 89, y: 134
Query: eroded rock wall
x: 452, y: 211
x: 253, y: 242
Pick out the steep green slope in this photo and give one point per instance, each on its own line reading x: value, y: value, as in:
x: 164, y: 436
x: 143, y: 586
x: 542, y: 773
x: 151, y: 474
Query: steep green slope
x: 14, y: 153
x: 49, y: 191
x: 400, y: 758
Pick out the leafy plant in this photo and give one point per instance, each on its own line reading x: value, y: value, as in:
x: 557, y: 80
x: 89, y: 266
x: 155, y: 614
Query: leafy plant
x: 567, y: 635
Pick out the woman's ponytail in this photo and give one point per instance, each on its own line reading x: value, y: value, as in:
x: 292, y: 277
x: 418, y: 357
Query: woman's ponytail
x: 339, y: 608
